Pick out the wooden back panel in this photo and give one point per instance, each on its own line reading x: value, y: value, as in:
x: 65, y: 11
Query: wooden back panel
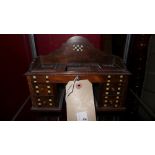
x: 77, y: 49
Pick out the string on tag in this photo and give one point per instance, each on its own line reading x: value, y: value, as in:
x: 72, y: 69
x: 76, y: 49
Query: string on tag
x: 76, y: 79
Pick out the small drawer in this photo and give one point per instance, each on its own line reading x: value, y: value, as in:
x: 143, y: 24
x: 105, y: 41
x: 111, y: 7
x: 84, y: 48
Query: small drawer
x: 44, y: 89
x: 110, y: 101
x: 112, y: 89
x: 116, y: 78
x: 35, y: 79
x: 41, y: 101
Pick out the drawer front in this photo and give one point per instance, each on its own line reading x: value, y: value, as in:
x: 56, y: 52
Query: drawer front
x: 40, y: 79
x: 44, y: 102
x: 113, y: 89
x: 112, y: 101
x: 116, y: 78
x: 44, y: 89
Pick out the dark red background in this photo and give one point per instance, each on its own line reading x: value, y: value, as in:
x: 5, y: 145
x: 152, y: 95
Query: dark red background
x: 15, y: 59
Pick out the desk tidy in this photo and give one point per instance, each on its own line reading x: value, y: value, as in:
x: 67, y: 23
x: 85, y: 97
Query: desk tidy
x: 48, y: 75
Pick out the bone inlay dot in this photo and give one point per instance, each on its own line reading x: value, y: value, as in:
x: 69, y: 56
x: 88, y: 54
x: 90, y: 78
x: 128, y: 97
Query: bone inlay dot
x: 50, y: 104
x: 118, y: 93
x: 37, y: 91
x: 108, y: 84
x: 39, y: 103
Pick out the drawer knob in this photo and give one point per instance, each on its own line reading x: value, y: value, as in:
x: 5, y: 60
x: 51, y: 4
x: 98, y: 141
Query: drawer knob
x: 107, y: 88
x: 50, y: 104
x: 117, y: 97
x: 34, y: 77
x: 39, y: 103
x: 116, y: 105
x: 108, y: 84
x: 105, y: 105
x: 36, y: 87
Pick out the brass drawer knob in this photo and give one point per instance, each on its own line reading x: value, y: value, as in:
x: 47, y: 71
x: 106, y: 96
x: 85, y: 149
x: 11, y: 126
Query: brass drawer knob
x: 39, y: 104
x: 34, y: 77
x: 37, y: 91
x: 108, y: 84
x: 38, y: 99
x: 107, y: 88
x: 36, y: 87
x: 120, y: 80
x: 118, y: 93
x: 119, y: 88
x: 49, y: 91
x: 105, y: 105
x: 50, y: 104
x: 109, y: 76
x: 116, y: 105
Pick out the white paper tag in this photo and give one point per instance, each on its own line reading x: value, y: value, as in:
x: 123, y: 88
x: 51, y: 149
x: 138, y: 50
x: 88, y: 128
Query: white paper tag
x: 82, y: 116
x: 80, y: 101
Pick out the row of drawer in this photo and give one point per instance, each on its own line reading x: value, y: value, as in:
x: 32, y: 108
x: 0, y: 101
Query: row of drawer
x: 51, y: 102
x: 111, y: 101
x: 44, y: 101
x: 50, y: 89
x: 106, y: 78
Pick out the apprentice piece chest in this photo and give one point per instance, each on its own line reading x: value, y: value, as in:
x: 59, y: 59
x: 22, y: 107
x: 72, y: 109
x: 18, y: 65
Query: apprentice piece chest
x: 48, y: 75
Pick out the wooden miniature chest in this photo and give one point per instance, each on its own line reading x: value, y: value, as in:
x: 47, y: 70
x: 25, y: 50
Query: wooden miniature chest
x: 48, y: 75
